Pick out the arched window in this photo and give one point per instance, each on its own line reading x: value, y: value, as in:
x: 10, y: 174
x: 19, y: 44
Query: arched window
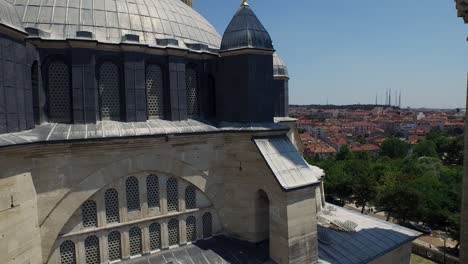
x: 114, y: 246
x: 207, y: 225
x: 152, y: 191
x: 67, y: 253
x: 155, y: 236
x: 135, y: 241
x: 191, y: 227
x: 92, y: 250
x: 173, y: 232
x: 35, y: 92
x: 190, y: 197
x: 191, y: 82
x: 89, y: 214
x: 59, y: 93
x: 154, y: 91
x: 111, y: 200
x: 133, y: 194
x: 172, y: 195
x: 109, y: 91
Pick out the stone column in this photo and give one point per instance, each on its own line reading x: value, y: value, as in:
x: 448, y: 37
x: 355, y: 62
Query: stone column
x: 145, y: 238
x: 84, y: 86
x: 177, y: 89
x: 135, y: 90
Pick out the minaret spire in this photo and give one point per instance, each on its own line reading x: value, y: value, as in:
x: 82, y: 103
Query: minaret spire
x: 244, y: 3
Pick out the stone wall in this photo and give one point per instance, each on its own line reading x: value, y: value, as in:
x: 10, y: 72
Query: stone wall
x: 227, y: 168
x: 400, y: 255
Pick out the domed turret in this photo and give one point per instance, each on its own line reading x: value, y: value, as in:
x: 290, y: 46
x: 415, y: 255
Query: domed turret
x: 280, y: 69
x: 246, y: 31
x: 280, y: 86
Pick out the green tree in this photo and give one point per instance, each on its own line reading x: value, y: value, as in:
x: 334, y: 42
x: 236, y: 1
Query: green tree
x: 425, y: 148
x: 363, y: 183
x: 344, y: 153
x: 394, y: 148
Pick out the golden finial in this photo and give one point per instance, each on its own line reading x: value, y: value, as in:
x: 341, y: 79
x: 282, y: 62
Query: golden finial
x: 244, y: 3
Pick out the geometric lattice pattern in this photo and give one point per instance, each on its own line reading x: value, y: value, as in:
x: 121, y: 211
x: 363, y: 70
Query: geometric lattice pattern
x: 109, y: 91
x: 111, y: 200
x: 155, y: 236
x: 154, y: 91
x: 135, y: 241
x: 172, y: 195
x: 173, y: 232
x: 191, y: 227
x: 89, y: 214
x: 190, y: 197
x: 207, y: 225
x: 59, y: 93
x: 152, y: 186
x: 114, y: 246
x: 92, y: 250
x: 192, y: 91
x: 67, y: 252
x: 133, y: 194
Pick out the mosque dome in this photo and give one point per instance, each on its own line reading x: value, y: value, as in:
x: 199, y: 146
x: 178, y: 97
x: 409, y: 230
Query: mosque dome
x: 280, y: 69
x: 246, y: 31
x: 9, y: 17
x: 111, y: 21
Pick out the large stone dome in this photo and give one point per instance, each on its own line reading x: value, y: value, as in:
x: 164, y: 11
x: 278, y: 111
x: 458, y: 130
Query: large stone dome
x: 9, y: 17
x: 111, y: 20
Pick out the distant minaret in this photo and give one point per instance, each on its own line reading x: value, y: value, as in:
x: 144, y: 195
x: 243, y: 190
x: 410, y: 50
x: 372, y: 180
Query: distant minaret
x: 376, y: 99
x: 390, y: 98
x: 399, y: 100
x: 386, y: 97
x: 188, y: 2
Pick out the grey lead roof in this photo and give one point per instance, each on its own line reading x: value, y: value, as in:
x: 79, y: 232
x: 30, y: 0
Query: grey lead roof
x: 246, y: 31
x: 111, y: 20
x: 9, y: 17
x: 280, y: 69
x: 372, y: 239
x: 289, y: 168
x: 112, y: 129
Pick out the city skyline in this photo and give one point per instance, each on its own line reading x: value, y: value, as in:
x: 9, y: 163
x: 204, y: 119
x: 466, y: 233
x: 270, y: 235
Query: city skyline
x: 347, y: 52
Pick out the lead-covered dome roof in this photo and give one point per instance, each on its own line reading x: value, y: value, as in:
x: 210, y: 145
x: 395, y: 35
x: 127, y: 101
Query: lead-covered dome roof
x: 280, y: 69
x: 9, y: 17
x: 110, y: 20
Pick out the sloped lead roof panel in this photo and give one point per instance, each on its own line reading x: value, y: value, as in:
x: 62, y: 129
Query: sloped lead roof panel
x: 289, y: 168
x: 9, y: 17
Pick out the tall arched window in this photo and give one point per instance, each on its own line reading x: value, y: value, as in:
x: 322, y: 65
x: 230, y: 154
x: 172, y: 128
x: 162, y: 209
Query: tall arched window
x: 35, y: 92
x: 191, y: 82
x: 109, y: 91
x: 133, y: 194
x: 92, y: 250
x: 67, y: 253
x: 152, y: 191
x: 114, y: 246
x: 111, y: 200
x: 154, y: 91
x: 155, y: 236
x: 172, y: 195
x: 89, y: 214
x: 207, y: 225
x: 190, y: 197
x: 135, y: 241
x: 59, y: 93
x: 191, y: 228
x: 173, y: 232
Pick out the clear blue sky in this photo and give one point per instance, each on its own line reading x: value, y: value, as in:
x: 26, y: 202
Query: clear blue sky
x: 347, y: 51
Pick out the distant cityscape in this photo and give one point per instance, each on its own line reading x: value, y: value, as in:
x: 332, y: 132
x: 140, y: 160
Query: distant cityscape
x: 363, y: 128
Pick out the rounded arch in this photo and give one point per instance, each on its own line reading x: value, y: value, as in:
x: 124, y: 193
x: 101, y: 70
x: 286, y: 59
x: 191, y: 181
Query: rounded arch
x: 58, y: 80
x: 111, y: 101
x: 262, y: 216
x: 192, y: 84
x: 114, y: 171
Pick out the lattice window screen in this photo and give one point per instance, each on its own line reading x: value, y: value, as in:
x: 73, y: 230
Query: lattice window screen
x: 190, y: 197
x: 109, y: 91
x: 92, y: 250
x: 89, y: 214
x: 133, y: 194
x: 172, y: 195
x: 154, y: 91
x: 173, y: 232
x: 191, y: 83
x: 67, y: 252
x: 114, y: 246
x: 155, y: 236
x: 135, y: 241
x: 152, y: 186
x: 59, y: 93
x: 111, y: 199
x: 191, y: 227
x: 207, y: 225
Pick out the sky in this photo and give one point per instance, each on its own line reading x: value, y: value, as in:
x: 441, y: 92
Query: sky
x: 346, y: 52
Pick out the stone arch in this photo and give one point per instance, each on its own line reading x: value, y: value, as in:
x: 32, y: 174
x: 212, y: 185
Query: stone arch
x: 112, y: 172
